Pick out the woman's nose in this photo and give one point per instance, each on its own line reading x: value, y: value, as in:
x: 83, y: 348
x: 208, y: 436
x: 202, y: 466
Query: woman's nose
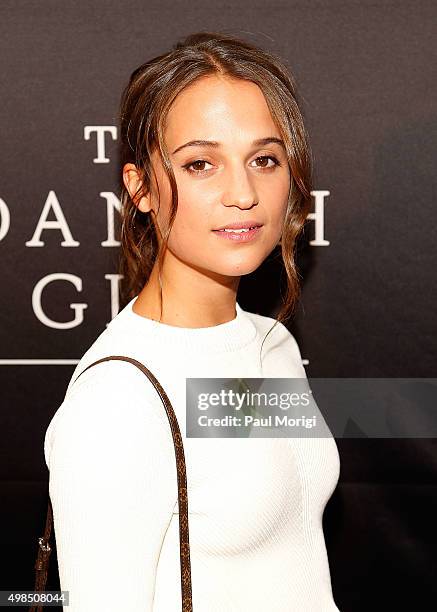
x: 239, y: 190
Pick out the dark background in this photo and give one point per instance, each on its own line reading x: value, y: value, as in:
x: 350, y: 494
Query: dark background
x: 366, y: 79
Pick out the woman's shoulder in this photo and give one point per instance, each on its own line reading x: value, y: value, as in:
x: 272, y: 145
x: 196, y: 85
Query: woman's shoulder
x: 281, y: 352
x: 112, y: 398
x: 264, y: 322
x: 279, y: 334
x: 116, y: 339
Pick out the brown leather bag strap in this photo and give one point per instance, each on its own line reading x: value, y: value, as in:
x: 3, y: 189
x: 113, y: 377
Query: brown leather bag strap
x: 41, y: 564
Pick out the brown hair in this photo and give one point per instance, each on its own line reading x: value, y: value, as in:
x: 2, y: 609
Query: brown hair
x: 144, y: 105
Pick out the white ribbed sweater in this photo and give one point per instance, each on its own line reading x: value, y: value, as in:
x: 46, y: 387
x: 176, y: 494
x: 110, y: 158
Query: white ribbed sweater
x: 255, y: 504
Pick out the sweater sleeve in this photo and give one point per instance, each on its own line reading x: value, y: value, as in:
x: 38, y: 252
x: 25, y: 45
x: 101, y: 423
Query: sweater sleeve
x: 113, y: 487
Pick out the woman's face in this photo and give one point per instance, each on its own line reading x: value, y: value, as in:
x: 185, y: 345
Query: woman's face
x: 236, y: 180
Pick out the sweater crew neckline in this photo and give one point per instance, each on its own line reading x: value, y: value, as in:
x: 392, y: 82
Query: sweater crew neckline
x: 228, y: 336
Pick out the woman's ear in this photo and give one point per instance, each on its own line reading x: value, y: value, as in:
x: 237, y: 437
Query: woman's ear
x: 133, y: 183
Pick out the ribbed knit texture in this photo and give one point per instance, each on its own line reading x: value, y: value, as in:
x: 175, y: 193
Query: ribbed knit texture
x: 255, y: 504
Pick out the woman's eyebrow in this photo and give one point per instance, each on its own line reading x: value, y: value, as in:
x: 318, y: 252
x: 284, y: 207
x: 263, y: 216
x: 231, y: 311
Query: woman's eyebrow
x: 213, y: 143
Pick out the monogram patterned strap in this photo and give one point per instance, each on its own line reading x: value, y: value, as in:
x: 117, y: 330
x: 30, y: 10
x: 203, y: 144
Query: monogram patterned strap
x: 42, y: 561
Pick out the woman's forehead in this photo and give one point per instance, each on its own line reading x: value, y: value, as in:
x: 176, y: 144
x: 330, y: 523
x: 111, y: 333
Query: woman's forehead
x: 220, y: 110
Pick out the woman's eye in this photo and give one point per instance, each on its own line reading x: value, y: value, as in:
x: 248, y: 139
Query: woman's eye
x: 193, y: 167
x: 266, y: 158
x: 195, y: 164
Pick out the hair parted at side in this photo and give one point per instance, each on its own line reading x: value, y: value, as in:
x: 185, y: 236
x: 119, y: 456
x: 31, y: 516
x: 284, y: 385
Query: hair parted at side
x: 144, y: 105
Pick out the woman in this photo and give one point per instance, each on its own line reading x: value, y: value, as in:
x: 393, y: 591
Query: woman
x: 216, y: 122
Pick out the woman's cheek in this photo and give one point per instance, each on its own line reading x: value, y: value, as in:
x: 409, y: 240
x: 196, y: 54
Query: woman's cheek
x: 186, y: 235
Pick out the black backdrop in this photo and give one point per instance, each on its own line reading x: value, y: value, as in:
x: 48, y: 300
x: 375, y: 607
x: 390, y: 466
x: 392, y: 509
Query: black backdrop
x: 366, y: 81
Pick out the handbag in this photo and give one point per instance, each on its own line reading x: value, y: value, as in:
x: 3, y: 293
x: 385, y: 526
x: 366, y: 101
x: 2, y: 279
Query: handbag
x: 44, y: 548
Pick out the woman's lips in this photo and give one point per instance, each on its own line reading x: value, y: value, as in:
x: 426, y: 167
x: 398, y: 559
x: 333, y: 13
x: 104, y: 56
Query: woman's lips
x: 239, y: 235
